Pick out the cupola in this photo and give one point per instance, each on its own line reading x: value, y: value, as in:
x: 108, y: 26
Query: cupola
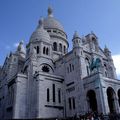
x: 21, y: 50
x: 76, y: 40
x: 40, y: 34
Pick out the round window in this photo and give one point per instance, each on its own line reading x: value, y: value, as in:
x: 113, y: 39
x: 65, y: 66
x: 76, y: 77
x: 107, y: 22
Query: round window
x: 45, y: 69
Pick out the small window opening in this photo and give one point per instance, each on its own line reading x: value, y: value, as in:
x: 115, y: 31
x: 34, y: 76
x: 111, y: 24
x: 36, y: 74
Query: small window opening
x: 60, y: 47
x: 45, y: 69
x: 53, y: 92
x: 48, y: 95
x: 47, y: 51
x: 69, y: 101
x: 64, y: 49
x: 73, y: 103
x: 44, y: 50
x: 37, y: 49
x: 54, y: 31
x: 59, y: 96
x: 48, y: 30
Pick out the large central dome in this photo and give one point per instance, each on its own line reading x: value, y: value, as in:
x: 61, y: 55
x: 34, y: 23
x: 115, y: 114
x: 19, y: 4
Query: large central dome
x: 51, y: 23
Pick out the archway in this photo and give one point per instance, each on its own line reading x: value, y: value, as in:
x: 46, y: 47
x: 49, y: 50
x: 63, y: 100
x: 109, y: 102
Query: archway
x: 119, y: 96
x: 111, y: 99
x: 91, y: 99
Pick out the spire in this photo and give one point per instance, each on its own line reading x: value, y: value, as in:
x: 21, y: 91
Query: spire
x: 50, y: 11
x: 76, y: 40
x: 106, y: 48
x: 92, y: 32
x: 20, y: 47
x: 107, y: 52
x: 41, y: 24
x: 76, y: 35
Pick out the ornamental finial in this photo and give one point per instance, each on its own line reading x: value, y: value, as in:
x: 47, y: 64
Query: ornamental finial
x: 50, y: 11
x: 41, y: 22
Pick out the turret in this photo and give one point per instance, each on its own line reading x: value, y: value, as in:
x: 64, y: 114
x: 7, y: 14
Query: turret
x: 41, y: 42
x: 107, y: 52
x: 76, y: 40
x: 93, y: 42
x: 77, y: 44
x: 21, y: 50
x: 39, y: 49
x: 111, y: 68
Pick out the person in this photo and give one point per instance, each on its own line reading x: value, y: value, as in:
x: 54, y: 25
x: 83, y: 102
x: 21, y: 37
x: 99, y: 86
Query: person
x: 101, y: 116
x: 75, y: 116
x: 95, y: 116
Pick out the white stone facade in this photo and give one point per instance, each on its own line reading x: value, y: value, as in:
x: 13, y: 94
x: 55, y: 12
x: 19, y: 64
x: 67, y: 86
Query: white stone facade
x: 47, y: 81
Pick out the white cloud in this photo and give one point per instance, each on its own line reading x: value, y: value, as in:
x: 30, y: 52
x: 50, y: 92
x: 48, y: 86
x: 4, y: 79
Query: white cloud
x: 116, y: 60
x: 15, y: 45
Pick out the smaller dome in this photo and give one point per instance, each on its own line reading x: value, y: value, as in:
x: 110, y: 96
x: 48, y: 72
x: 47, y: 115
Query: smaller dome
x: 40, y: 34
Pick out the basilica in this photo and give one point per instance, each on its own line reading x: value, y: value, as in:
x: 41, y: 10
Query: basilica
x: 45, y: 80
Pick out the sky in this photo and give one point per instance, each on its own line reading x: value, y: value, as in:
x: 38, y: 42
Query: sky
x: 19, y: 18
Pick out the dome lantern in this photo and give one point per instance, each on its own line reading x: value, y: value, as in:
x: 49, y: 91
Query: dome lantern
x: 52, y: 23
x: 50, y: 12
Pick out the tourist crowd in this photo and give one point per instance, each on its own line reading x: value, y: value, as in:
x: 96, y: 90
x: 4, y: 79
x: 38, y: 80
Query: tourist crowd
x: 94, y: 116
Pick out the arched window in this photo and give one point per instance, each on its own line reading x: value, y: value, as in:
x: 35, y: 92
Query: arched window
x: 44, y: 50
x: 48, y: 95
x: 94, y: 43
x: 37, y: 49
x: 105, y: 68
x: 64, y: 49
x: 73, y: 67
x: 53, y: 92
x: 59, y: 95
x: 55, y: 46
x: 70, y: 104
x: 73, y: 103
x: 70, y: 67
x: 47, y: 51
x: 60, y: 47
x: 87, y: 65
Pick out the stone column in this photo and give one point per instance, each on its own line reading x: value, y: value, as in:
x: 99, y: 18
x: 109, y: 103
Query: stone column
x: 106, y: 106
x: 99, y: 100
x: 103, y: 96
